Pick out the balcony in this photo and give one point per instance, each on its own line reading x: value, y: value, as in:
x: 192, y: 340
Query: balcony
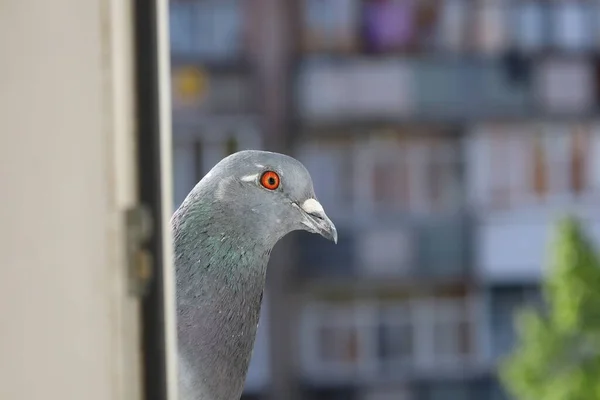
x: 340, y: 92
x: 515, y: 248
x: 428, y: 248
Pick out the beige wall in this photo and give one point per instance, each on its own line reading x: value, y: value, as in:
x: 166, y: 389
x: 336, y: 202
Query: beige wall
x: 68, y: 330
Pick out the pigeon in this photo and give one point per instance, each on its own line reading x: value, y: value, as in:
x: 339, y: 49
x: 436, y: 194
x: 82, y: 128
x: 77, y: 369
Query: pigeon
x: 223, y: 233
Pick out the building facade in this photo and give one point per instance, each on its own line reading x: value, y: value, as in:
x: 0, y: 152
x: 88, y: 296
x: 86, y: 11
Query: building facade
x: 444, y: 138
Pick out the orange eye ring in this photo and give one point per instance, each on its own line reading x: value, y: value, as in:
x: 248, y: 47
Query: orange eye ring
x: 270, y: 180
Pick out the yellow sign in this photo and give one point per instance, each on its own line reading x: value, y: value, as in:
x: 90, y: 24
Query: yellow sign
x: 190, y: 84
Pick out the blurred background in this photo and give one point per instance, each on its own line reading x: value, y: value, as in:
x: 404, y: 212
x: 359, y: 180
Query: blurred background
x: 444, y: 138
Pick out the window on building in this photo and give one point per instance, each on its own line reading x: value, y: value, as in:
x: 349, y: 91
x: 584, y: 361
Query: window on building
x: 452, y: 31
x: 409, y: 175
x: 396, y: 333
x: 572, y: 25
x: 181, y: 26
x: 338, y: 337
x: 451, y: 325
x: 396, y: 343
x: 505, y: 302
x: 330, y: 25
x: 539, y: 164
x: 338, y: 344
x: 390, y: 183
x: 442, y: 175
x: 558, y: 141
x: 490, y: 26
x: 339, y: 340
x: 388, y: 338
x: 529, y: 29
x: 389, y: 177
x: 210, y: 29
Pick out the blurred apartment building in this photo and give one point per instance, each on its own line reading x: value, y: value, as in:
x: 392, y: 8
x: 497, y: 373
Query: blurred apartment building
x: 444, y: 137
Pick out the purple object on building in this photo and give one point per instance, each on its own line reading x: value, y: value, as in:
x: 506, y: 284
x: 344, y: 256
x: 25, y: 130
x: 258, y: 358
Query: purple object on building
x: 390, y: 24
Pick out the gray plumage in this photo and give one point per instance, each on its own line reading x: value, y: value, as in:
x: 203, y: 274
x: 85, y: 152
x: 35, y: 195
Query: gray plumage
x: 224, y: 232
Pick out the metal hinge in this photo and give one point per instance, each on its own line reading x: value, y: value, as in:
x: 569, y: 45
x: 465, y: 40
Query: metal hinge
x: 140, y: 261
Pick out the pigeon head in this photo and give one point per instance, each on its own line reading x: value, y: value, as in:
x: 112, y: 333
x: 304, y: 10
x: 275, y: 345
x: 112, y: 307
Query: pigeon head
x: 223, y: 233
x: 271, y: 194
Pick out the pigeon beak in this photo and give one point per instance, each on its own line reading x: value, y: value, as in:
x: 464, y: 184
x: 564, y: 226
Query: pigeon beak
x: 319, y: 220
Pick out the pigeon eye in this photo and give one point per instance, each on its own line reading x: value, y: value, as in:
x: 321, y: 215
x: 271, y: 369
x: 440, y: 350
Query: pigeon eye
x: 270, y: 180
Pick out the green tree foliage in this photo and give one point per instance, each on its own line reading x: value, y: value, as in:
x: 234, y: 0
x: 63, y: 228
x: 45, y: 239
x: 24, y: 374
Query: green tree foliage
x: 557, y: 356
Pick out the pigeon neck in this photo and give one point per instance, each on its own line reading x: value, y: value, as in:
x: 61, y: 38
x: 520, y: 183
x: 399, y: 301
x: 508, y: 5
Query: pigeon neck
x: 220, y: 282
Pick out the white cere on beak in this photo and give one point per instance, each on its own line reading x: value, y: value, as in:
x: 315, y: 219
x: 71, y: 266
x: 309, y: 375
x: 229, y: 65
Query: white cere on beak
x: 312, y: 206
x: 250, y: 178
